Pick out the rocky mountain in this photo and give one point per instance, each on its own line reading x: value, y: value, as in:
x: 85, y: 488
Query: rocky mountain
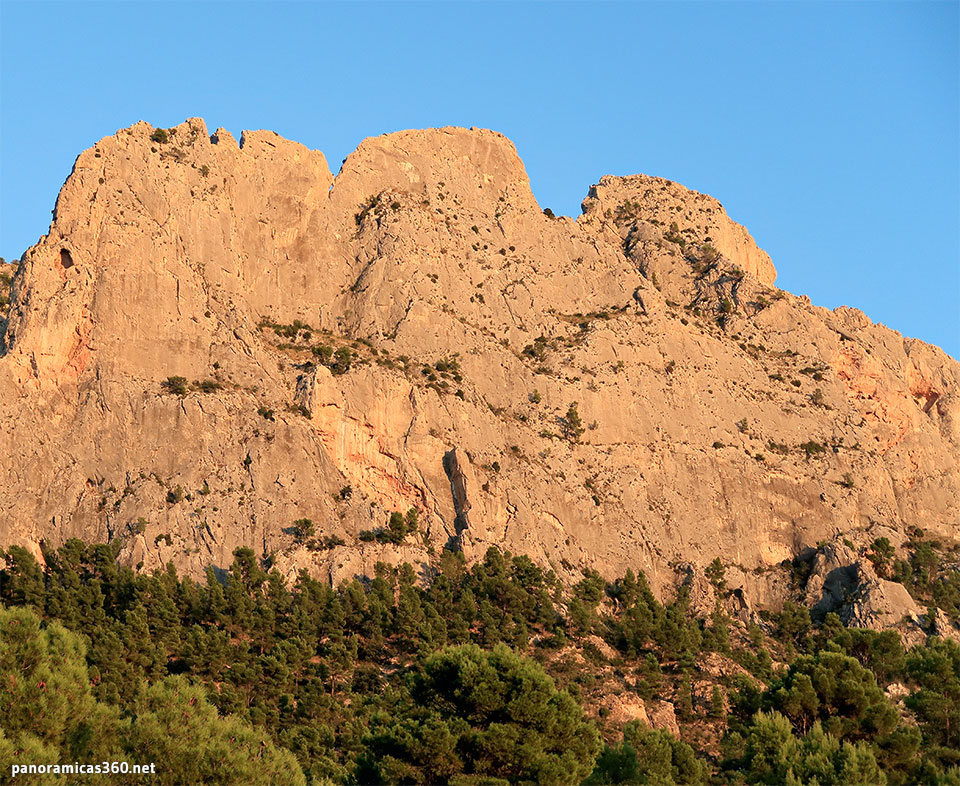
x: 217, y: 340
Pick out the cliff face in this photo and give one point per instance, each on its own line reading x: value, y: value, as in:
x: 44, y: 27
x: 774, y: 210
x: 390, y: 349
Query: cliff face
x: 720, y: 416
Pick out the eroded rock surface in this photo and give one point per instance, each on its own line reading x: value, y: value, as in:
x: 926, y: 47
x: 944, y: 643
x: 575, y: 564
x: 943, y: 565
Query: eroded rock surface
x: 719, y: 415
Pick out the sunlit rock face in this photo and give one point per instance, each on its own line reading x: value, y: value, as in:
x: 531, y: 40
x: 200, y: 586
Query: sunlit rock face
x: 624, y: 390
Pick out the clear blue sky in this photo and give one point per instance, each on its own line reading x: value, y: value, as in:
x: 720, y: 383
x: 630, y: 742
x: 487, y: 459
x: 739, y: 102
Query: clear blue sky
x: 829, y: 129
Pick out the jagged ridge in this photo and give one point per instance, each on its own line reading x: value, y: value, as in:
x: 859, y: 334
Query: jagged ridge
x: 720, y: 415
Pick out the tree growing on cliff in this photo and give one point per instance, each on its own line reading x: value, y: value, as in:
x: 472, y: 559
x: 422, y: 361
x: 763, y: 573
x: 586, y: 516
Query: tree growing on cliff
x: 572, y: 423
x: 303, y: 530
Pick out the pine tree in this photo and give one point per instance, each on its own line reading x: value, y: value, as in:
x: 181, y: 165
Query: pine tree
x: 494, y: 713
x: 177, y: 728
x: 717, y: 703
x: 572, y: 424
x: 684, y: 699
x: 21, y: 582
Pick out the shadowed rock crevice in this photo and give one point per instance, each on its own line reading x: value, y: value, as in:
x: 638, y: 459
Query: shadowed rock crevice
x: 458, y: 490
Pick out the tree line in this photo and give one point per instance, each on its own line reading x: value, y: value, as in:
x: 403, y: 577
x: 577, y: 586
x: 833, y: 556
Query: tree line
x: 448, y: 673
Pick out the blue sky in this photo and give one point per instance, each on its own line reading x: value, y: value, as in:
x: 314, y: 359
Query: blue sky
x: 829, y: 129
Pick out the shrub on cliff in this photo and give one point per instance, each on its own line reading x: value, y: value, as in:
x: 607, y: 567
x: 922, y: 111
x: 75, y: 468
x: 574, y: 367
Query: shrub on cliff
x: 175, y: 385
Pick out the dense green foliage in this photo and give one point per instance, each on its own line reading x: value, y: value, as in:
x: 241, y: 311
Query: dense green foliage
x: 480, y: 713
x: 648, y: 756
x: 456, y: 675
x: 774, y: 755
x: 50, y: 715
x: 929, y: 571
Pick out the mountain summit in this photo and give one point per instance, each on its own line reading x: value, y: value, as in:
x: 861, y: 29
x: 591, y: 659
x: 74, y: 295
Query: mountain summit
x: 219, y: 343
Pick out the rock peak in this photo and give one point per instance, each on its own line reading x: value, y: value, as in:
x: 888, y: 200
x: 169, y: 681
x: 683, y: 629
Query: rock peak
x: 476, y: 167
x: 657, y: 203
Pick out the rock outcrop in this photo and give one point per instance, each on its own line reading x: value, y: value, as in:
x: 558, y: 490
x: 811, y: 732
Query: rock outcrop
x: 848, y: 586
x: 216, y: 339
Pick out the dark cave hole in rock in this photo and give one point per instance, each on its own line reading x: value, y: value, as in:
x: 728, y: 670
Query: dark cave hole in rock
x: 65, y: 259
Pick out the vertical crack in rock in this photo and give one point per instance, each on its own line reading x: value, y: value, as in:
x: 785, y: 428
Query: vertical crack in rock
x: 458, y: 488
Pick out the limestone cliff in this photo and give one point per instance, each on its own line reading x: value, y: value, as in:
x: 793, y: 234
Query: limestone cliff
x: 719, y: 415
